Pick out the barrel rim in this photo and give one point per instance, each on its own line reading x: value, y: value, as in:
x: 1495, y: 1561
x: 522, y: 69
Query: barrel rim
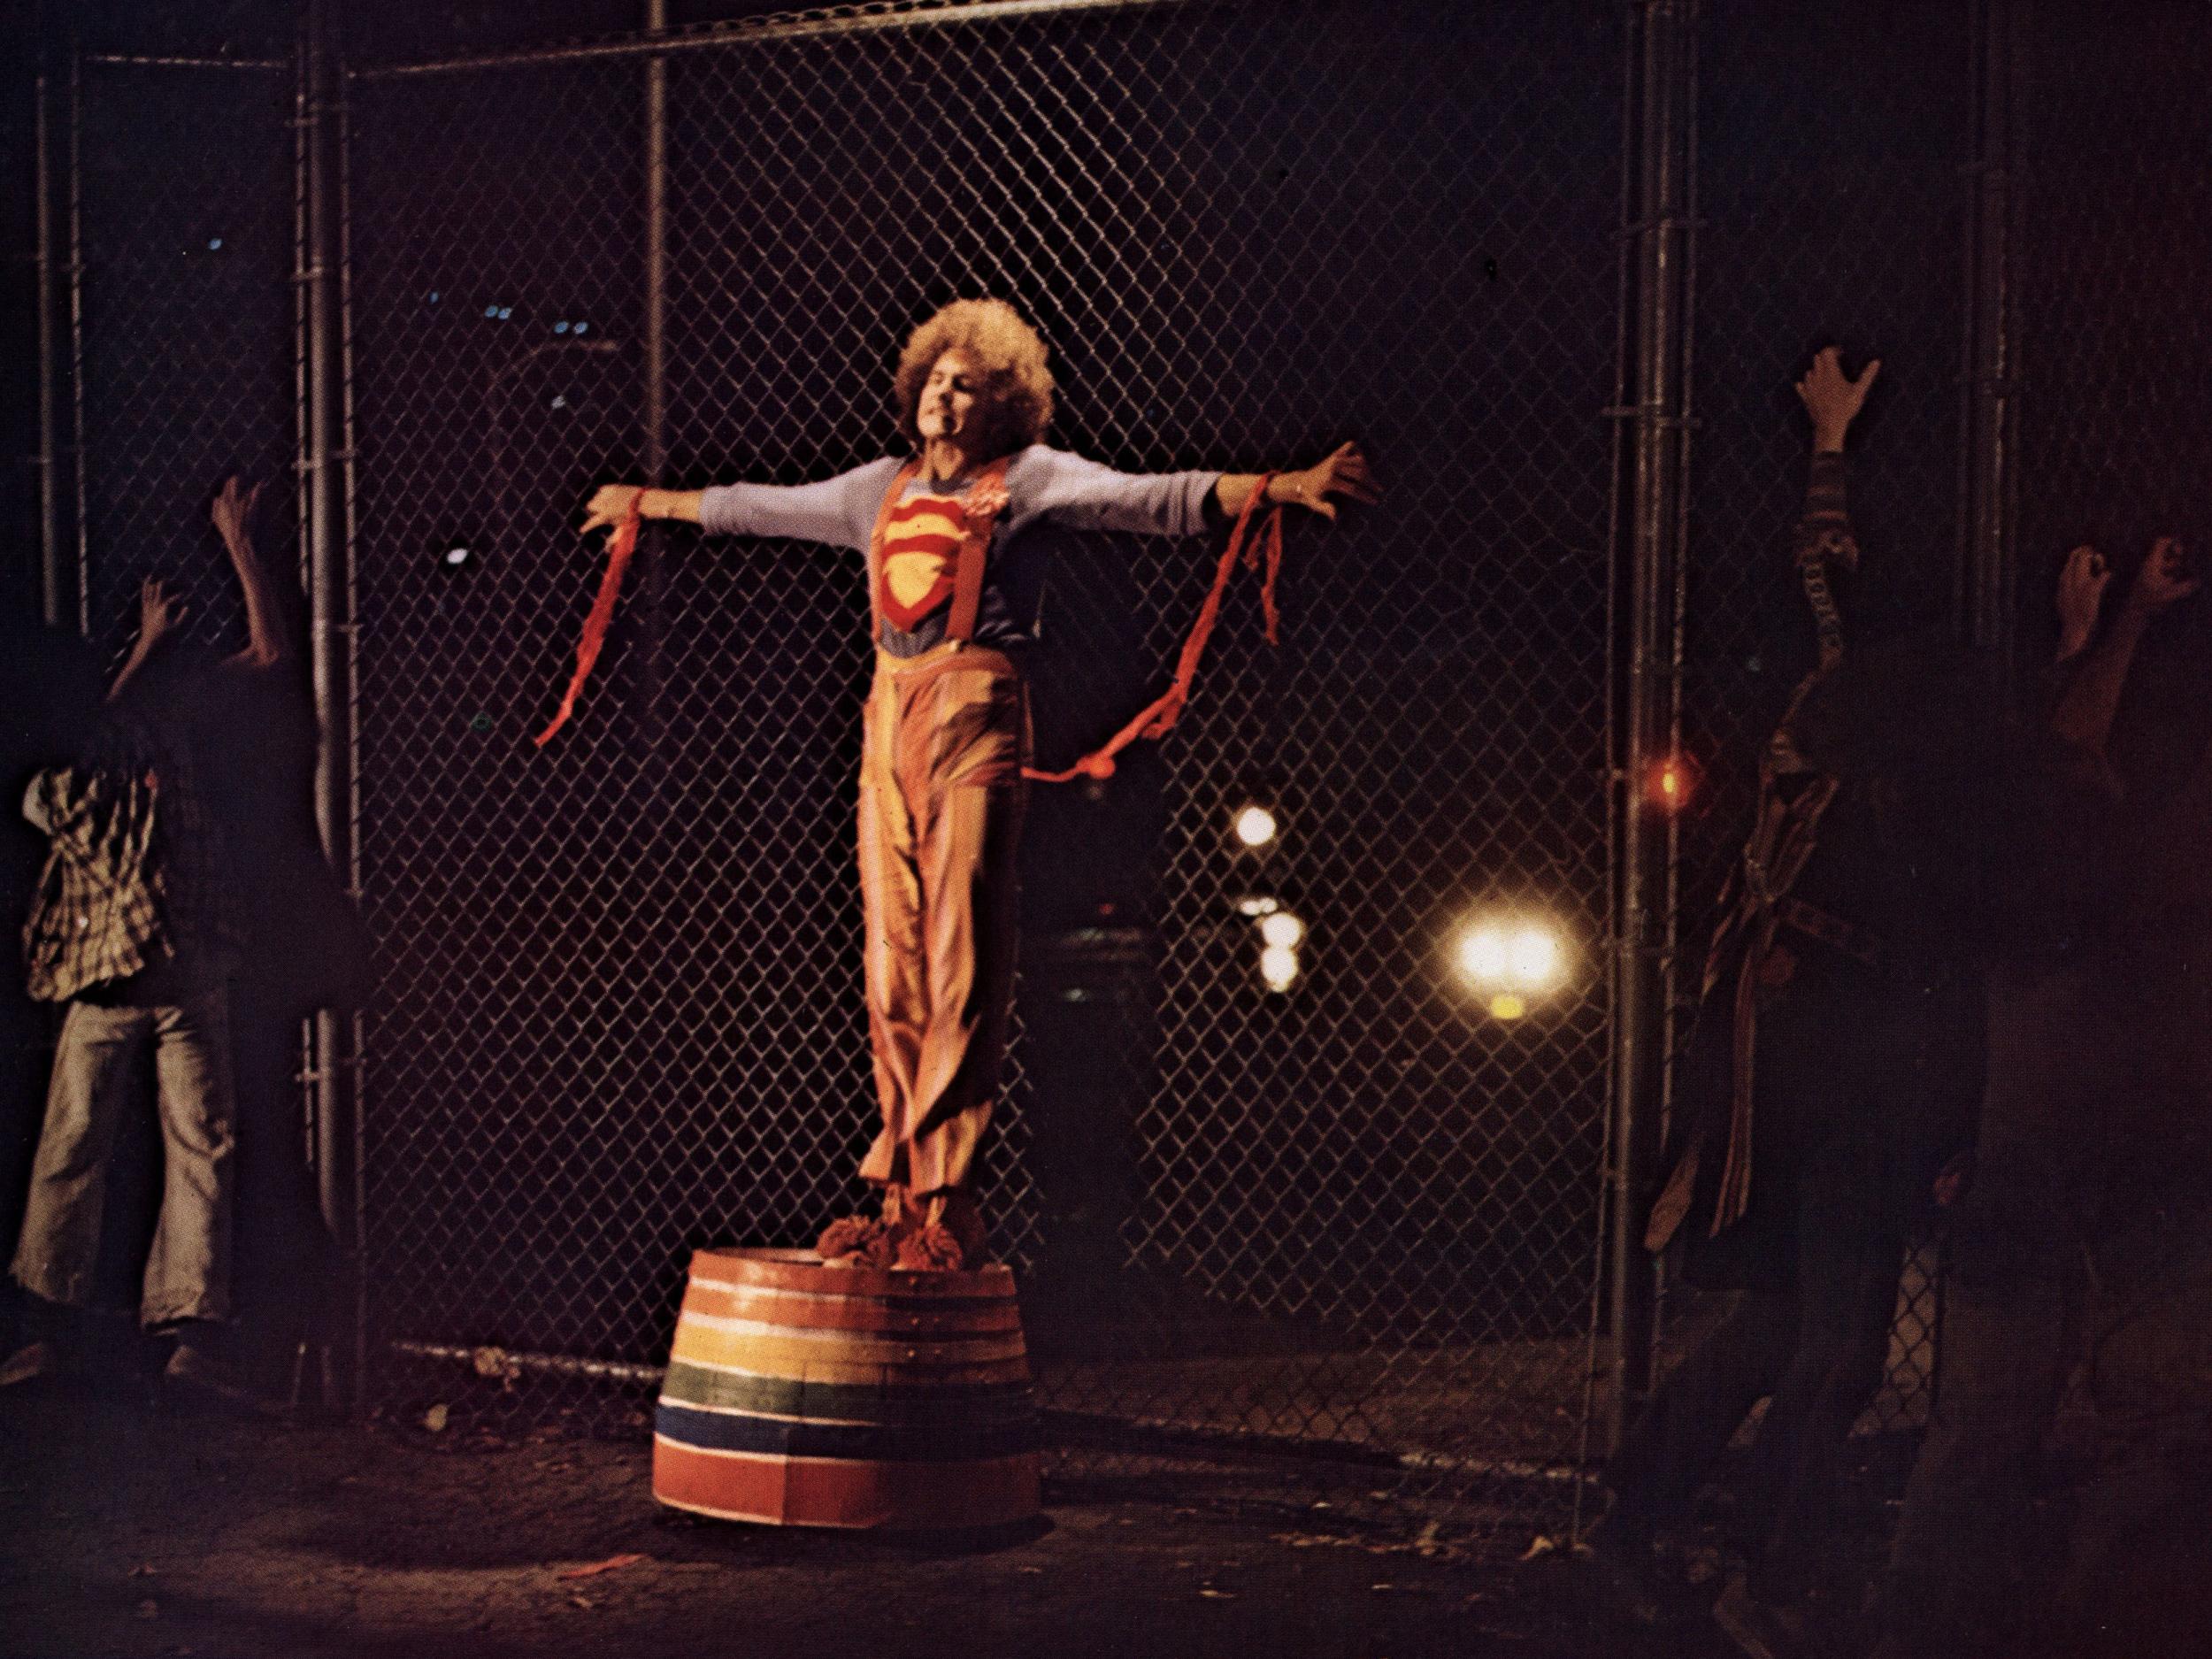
x: 804, y: 1270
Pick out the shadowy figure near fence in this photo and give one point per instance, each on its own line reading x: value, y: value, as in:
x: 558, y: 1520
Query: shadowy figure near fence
x: 182, y: 912
x: 1828, y: 1076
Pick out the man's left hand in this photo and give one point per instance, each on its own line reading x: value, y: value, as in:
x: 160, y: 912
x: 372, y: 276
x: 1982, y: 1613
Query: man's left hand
x: 233, y: 510
x: 1344, y: 472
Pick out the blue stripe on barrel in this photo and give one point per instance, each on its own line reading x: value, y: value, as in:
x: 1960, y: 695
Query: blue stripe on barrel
x: 739, y: 1431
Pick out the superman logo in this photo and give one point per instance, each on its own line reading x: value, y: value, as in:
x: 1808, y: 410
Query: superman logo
x: 921, y: 543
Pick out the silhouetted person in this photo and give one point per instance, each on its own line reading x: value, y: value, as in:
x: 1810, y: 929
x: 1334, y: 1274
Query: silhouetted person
x: 1820, y: 1085
x: 185, y: 908
x: 50, y: 696
x: 2084, y: 1232
x: 303, y: 945
x: 130, y: 932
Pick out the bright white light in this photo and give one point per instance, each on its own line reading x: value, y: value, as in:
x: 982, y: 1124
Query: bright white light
x: 457, y: 555
x: 1483, y: 953
x: 1257, y: 904
x: 1278, y: 967
x: 1534, y: 957
x: 1255, y: 826
x: 1282, y: 929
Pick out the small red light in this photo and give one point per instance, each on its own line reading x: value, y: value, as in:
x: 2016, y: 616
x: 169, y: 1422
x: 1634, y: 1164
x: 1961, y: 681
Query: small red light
x: 1670, y: 784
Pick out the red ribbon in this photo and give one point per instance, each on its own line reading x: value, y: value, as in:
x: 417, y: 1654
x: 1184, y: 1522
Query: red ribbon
x: 1261, y: 552
x: 620, y: 546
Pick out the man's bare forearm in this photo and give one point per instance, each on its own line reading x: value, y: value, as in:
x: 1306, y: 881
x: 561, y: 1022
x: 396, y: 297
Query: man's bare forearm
x: 2085, y: 708
x: 265, y: 642
x: 1234, y: 491
x: 131, y: 664
x: 680, y: 505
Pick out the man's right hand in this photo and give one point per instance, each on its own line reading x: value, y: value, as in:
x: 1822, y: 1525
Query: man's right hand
x: 2163, y: 579
x: 609, y: 505
x: 1831, y: 397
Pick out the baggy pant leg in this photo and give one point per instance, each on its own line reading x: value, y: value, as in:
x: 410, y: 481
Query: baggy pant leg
x: 1847, y: 1300
x: 968, y: 869
x: 891, y: 902
x: 944, y: 920
x: 96, y: 1064
x: 2011, y: 1313
x: 1672, y: 1451
x: 188, y: 1269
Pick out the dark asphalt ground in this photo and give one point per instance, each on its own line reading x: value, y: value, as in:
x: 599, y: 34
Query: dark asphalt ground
x: 130, y: 1530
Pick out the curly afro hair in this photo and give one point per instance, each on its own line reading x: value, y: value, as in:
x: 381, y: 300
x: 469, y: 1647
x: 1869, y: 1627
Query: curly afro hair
x: 1009, y: 358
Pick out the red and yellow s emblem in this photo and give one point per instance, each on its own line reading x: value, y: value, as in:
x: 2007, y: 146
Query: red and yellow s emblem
x: 921, y: 542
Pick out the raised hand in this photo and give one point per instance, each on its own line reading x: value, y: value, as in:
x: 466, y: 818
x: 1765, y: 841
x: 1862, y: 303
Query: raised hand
x: 2082, y: 580
x: 2163, y: 579
x: 233, y: 512
x: 608, y: 506
x: 1831, y: 397
x: 1344, y: 471
x: 159, y: 612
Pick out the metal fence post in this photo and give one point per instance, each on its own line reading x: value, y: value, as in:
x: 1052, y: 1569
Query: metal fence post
x: 1649, y: 529
x: 330, y: 585
x: 1989, y: 372
x: 653, y: 453
x: 76, y: 338
x: 54, y: 597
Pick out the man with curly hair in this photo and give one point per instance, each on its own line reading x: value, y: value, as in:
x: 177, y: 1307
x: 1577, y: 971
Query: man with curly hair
x: 953, y: 581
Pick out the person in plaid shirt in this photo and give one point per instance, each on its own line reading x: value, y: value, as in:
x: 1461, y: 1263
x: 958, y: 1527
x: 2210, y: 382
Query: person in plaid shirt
x: 131, y: 933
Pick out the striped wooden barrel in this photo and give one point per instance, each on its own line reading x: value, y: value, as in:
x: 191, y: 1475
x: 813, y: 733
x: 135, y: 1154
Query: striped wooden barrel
x: 805, y: 1395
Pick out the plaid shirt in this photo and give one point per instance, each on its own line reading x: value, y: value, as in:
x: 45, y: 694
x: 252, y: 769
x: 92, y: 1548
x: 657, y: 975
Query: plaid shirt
x: 130, y: 882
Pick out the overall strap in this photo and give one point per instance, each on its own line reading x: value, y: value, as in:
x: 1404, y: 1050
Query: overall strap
x: 905, y: 476
x: 986, y: 500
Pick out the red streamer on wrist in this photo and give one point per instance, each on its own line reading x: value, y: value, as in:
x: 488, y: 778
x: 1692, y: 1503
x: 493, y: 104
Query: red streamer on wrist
x: 1261, y: 551
x: 620, y: 546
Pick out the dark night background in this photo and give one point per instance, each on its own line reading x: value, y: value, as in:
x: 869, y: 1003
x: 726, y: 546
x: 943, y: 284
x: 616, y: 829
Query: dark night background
x: 1430, y: 267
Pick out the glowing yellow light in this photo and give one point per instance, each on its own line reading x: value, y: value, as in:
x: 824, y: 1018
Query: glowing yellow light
x: 1278, y: 967
x: 1505, y: 1005
x: 1534, y: 957
x: 1282, y: 929
x: 1255, y: 826
x: 1670, y: 782
x: 1483, y: 954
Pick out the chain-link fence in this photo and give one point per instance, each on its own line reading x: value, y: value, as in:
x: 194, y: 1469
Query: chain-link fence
x: 1831, y: 207
x: 621, y: 1011
x: 181, y: 220
x: 624, y: 1014
x: 2116, y: 414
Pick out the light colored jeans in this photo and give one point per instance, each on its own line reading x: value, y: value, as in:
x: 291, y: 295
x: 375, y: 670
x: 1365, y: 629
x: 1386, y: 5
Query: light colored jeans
x: 97, y: 1066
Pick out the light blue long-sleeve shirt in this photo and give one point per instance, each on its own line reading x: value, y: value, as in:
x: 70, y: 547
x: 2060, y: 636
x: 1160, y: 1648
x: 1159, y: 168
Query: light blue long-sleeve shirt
x: 1043, y: 486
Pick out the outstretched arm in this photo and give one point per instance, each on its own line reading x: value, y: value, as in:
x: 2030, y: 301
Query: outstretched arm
x: 1343, y: 473
x: 1824, y: 537
x: 838, y: 512
x: 233, y: 514
x: 610, y: 503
